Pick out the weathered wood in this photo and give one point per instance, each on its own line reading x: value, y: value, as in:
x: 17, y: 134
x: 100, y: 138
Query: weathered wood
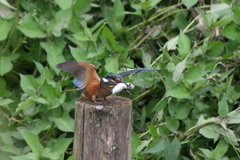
x: 103, y: 132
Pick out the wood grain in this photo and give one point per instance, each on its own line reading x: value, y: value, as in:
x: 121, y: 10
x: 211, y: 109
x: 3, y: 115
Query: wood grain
x: 103, y: 132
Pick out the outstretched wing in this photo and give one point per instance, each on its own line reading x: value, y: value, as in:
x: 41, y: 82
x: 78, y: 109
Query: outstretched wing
x: 134, y: 71
x: 84, y: 73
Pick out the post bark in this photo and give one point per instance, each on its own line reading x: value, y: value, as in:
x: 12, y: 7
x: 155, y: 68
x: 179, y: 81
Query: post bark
x: 103, y: 132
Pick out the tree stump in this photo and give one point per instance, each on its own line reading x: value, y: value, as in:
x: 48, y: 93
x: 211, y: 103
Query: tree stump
x: 103, y: 132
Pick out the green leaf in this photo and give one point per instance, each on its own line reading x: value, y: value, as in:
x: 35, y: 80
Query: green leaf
x: 172, y: 123
x: 32, y: 30
x: 194, y: 74
x: 81, y: 36
x: 28, y: 156
x: 5, y: 27
x: 220, y: 9
x: 189, y: 3
x: 117, y: 17
x: 184, y: 44
x: 171, y: 67
x: 146, y: 59
x: 199, y: 84
x: 33, y: 142
x: 5, y: 2
x: 153, y: 130
x: 4, y: 102
x: 182, y: 111
x: 231, y: 32
x: 136, y: 142
x: 70, y: 158
x: 200, y: 106
x: 6, y: 63
x: 223, y: 107
x: 61, y: 20
x: 65, y: 123
x: 202, y: 121
x: 177, y: 74
x: 179, y: 92
x: 108, y: 39
x: 128, y: 63
x: 61, y: 145
x: 40, y: 67
x: 221, y: 149
x: 229, y: 136
x: 223, y: 21
x: 97, y: 53
x: 3, y: 88
x: 51, y: 155
x: 78, y: 53
x: 10, y: 148
x: 237, y: 15
x: 180, y: 21
x: 234, y: 116
x: 40, y: 100
x: 163, y: 130
x: 144, y: 145
x: 111, y: 64
x: 156, y: 148
x: 211, y: 131
x: 81, y: 7
x: 6, y: 137
x: 54, y: 54
x: 207, y: 153
x: 63, y: 4
x: 87, y: 31
x: 96, y: 29
x: 49, y: 92
x: 24, y: 104
x: 172, y: 107
x: 161, y: 104
x: 216, y: 49
x: 29, y: 84
x: 173, y: 150
x: 171, y: 43
x: 224, y: 75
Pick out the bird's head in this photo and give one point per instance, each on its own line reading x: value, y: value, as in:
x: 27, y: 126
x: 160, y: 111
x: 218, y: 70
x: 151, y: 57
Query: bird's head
x: 114, y: 78
x: 116, y: 81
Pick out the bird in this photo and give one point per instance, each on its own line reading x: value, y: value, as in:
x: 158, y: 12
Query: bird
x: 92, y: 85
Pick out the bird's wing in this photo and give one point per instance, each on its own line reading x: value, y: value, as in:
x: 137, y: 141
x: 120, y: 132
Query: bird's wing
x: 84, y: 73
x: 134, y: 71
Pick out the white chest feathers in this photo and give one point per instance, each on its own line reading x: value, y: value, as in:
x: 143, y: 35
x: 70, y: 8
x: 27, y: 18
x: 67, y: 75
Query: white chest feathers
x: 121, y: 86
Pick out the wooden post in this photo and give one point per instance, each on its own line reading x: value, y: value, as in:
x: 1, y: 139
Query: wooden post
x: 103, y: 132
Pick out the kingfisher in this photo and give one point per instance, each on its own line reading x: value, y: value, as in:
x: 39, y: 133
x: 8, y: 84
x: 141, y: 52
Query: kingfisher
x: 92, y: 85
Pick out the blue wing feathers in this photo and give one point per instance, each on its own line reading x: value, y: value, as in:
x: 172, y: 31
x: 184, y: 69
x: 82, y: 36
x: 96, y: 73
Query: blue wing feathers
x: 134, y: 71
x: 75, y: 82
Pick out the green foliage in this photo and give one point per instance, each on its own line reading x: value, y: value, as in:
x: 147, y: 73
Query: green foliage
x: 189, y: 110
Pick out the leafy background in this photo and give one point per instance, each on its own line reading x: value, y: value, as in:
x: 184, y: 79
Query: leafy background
x: 188, y: 110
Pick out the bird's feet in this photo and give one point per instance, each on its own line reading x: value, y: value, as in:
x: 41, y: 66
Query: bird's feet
x: 96, y: 101
x: 105, y: 99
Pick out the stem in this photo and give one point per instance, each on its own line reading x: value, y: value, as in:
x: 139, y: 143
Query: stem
x: 143, y: 134
x: 13, y: 28
x: 195, y: 128
x: 69, y: 90
x: 157, y: 15
x: 160, y: 56
x: 143, y: 94
x: 142, y: 40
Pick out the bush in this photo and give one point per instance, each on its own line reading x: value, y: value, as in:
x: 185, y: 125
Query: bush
x: 188, y: 110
